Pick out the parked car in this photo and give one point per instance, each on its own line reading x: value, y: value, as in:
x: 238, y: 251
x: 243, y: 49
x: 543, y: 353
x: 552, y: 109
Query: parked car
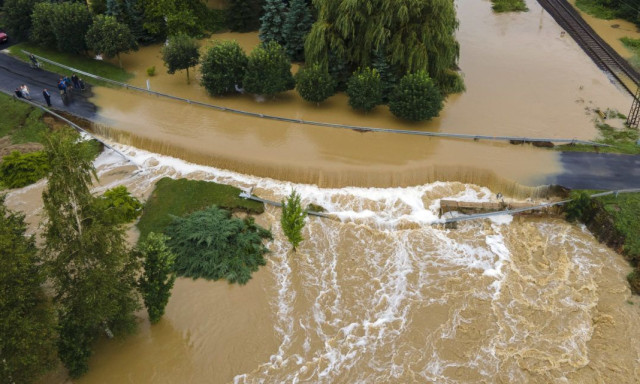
x: 3, y: 37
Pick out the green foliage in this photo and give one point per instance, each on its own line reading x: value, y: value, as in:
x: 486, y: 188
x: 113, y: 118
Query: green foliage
x: 92, y: 273
x: 314, y: 84
x: 365, y: 89
x: 272, y: 22
x: 634, y: 46
x: 179, y: 197
x: 27, y: 323
x: 597, y: 8
x: 415, y: 35
x: 181, y: 53
x: 416, y: 98
x: 268, y: 70
x: 174, y: 17
x: 634, y: 281
x: 41, y: 31
x: 70, y: 22
x: 509, y: 6
x: 296, y: 28
x: 580, y: 207
x: 110, y: 37
x: 98, y: 7
x: 120, y: 205
x: 625, y: 210
x: 292, y: 220
x: 244, y: 15
x: 21, y: 169
x: 17, y: 17
x: 151, y: 71
x: 388, y: 76
x: 223, y: 66
x: 214, y: 245
x: 158, y: 277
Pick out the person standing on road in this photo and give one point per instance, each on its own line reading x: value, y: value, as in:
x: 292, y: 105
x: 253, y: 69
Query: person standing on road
x: 47, y: 96
x: 75, y: 81
x: 25, y: 92
x: 18, y: 92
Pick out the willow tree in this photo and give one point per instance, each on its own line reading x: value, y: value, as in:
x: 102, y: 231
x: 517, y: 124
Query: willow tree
x: 414, y: 34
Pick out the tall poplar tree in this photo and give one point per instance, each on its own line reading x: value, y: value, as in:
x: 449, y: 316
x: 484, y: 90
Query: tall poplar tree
x: 91, y: 270
x: 27, y: 325
x: 157, y: 280
x: 292, y: 220
x: 296, y: 27
x: 272, y: 22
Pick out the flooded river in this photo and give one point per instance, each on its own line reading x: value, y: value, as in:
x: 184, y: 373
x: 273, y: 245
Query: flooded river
x: 378, y: 294
x: 523, y: 78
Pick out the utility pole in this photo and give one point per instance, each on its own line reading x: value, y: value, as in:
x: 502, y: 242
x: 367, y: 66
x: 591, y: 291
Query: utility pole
x: 634, y: 114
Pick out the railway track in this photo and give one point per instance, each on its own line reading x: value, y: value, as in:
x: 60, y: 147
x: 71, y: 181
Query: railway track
x: 605, y: 57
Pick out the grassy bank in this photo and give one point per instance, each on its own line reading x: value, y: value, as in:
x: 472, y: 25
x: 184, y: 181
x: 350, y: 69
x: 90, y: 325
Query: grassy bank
x: 83, y: 63
x: 509, y: 6
x: 180, y: 197
x: 620, y: 140
x: 20, y: 121
x: 595, y: 9
x: 633, y: 45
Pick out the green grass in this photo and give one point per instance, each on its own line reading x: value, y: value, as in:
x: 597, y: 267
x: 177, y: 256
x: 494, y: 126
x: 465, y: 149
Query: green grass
x: 625, y: 210
x: 83, y: 63
x: 509, y: 6
x: 21, y: 121
x: 619, y: 140
x: 633, y: 45
x: 595, y: 9
x: 182, y: 196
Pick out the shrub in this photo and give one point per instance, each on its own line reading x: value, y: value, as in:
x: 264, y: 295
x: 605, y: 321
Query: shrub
x: 223, y: 67
x: 120, y: 205
x: 365, y: 89
x: 151, y: 71
x: 416, y: 98
x: 268, y: 70
x: 634, y: 280
x: 18, y: 170
x: 213, y: 245
x: 314, y: 84
x: 581, y: 207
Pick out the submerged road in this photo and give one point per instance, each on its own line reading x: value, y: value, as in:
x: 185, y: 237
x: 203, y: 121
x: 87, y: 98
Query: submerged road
x: 582, y: 170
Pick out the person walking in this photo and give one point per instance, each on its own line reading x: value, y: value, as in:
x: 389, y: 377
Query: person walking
x: 47, y: 96
x: 75, y: 81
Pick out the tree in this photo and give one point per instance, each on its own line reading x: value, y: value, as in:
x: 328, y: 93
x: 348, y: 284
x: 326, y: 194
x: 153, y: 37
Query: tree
x: 41, y: 31
x: 314, y: 84
x: 272, y: 22
x: 21, y: 169
x: 70, y: 22
x: 120, y: 205
x: 27, y: 323
x: 110, y: 37
x: 388, y: 76
x: 214, y: 245
x: 292, y: 220
x: 365, y: 89
x: 416, y: 98
x: 158, y: 278
x: 244, y: 15
x: 416, y: 35
x: 174, y: 17
x: 223, y: 67
x: 17, y: 17
x: 581, y: 207
x: 296, y: 28
x: 268, y: 70
x: 90, y: 268
x: 181, y: 53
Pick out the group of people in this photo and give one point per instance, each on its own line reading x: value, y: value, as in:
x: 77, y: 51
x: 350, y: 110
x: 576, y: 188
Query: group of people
x: 23, y: 92
x: 65, y: 83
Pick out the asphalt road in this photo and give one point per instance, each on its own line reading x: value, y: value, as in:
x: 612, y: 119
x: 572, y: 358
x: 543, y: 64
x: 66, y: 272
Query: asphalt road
x: 14, y: 73
x: 582, y: 170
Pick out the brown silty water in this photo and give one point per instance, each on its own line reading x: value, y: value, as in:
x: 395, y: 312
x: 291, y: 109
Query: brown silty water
x: 523, y: 78
x: 378, y: 295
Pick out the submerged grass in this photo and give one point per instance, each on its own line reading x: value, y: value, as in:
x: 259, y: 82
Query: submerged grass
x: 620, y: 140
x: 180, y: 197
x: 509, y: 6
x: 83, y: 63
x: 634, y: 46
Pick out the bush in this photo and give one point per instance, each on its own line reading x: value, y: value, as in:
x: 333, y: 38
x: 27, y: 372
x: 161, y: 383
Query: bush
x: 268, y: 70
x: 416, y: 98
x: 581, y: 207
x: 151, y: 71
x: 213, y: 245
x: 18, y: 170
x: 314, y: 84
x: 223, y: 67
x: 120, y: 205
x: 365, y: 89
x: 634, y: 280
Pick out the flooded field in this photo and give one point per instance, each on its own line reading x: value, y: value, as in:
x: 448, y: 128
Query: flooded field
x: 379, y: 295
x: 523, y: 78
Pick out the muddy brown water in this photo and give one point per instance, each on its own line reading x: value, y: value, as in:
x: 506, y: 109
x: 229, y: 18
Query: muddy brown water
x: 378, y: 294
x: 523, y: 78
